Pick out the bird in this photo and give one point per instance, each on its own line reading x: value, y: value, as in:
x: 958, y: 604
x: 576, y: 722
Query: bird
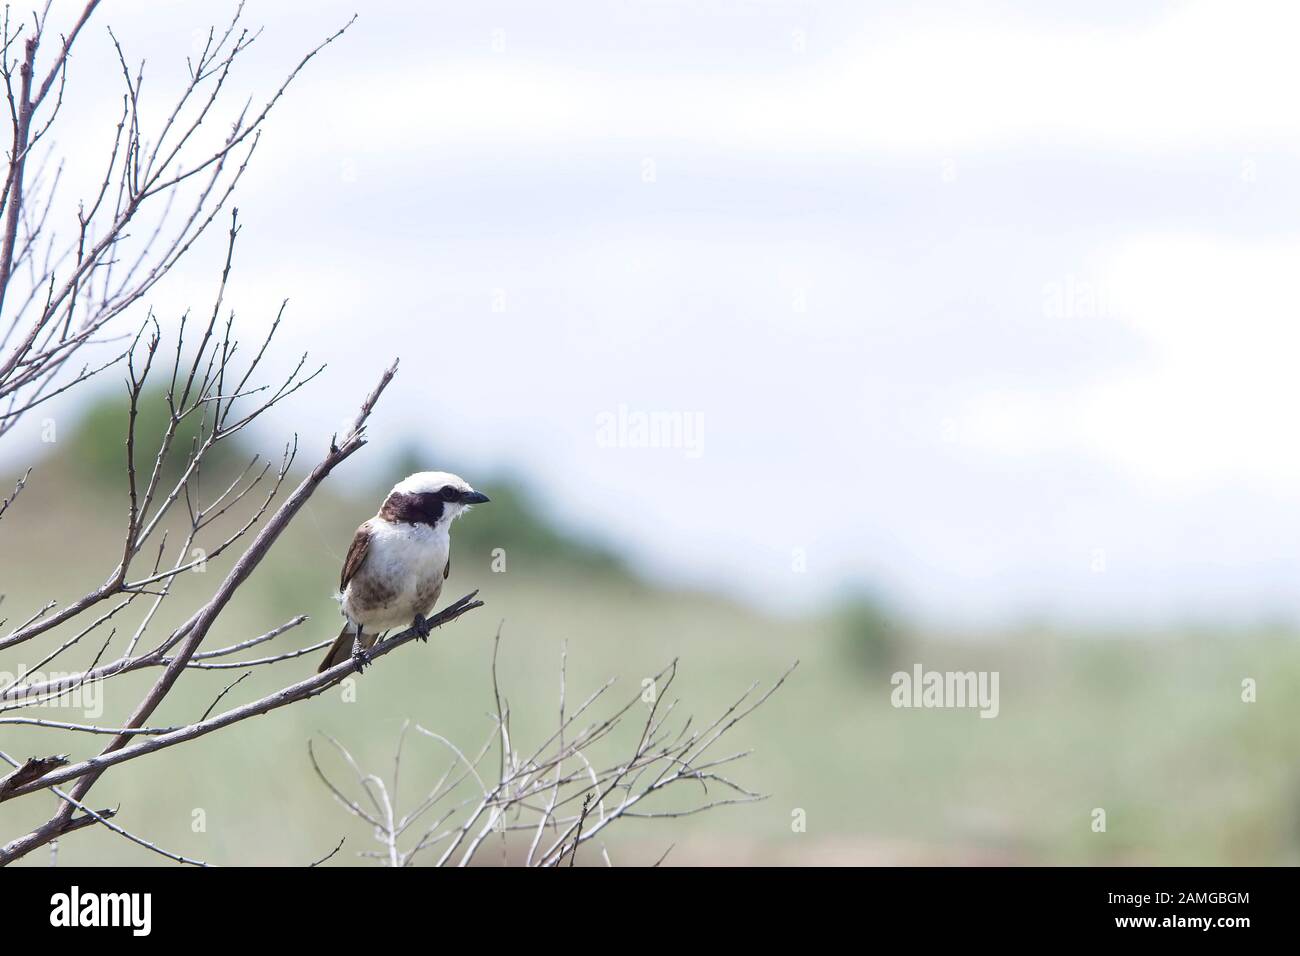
x: 398, y: 561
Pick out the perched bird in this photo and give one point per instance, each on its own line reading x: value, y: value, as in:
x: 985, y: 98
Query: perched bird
x: 398, y: 560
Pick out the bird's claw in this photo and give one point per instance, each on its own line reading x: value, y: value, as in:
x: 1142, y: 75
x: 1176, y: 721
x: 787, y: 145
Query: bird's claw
x: 422, y: 628
x: 361, y: 658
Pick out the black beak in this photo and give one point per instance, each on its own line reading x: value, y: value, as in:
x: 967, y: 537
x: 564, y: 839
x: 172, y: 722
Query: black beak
x: 473, y: 498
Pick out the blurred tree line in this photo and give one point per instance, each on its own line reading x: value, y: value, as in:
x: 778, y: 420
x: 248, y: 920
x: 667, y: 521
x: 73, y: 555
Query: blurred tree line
x: 96, y: 449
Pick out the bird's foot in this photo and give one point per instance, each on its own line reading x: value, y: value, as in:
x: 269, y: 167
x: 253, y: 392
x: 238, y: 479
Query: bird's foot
x: 360, y: 655
x: 422, y: 628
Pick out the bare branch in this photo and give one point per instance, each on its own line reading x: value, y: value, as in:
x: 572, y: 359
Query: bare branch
x: 59, y: 296
x: 576, y: 805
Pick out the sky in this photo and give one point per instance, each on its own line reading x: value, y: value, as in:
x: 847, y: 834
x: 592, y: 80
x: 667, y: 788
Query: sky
x: 986, y: 307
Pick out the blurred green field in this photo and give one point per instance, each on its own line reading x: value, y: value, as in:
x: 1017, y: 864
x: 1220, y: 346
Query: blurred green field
x: 1151, y: 728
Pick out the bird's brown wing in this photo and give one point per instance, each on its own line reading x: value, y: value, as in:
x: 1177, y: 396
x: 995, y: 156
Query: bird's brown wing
x: 446, y: 572
x: 356, y: 556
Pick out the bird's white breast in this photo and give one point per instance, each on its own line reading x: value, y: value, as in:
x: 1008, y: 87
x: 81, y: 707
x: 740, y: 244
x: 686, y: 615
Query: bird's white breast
x: 403, y: 561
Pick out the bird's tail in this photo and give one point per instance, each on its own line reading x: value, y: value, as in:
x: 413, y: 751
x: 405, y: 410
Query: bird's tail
x: 341, y: 649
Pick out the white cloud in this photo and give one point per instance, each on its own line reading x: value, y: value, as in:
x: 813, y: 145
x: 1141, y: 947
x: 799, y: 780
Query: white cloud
x: 1212, y: 400
x: 1203, y: 73
x: 1217, y: 399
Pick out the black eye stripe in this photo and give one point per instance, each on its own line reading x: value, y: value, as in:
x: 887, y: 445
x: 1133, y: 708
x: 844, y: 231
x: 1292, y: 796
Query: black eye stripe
x: 422, y: 508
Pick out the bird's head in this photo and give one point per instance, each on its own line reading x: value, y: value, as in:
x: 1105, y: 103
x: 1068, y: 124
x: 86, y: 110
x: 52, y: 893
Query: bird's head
x: 434, y: 498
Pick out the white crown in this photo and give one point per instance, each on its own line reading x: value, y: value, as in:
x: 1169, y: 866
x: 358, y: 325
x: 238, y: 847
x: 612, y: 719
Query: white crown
x: 426, y: 482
